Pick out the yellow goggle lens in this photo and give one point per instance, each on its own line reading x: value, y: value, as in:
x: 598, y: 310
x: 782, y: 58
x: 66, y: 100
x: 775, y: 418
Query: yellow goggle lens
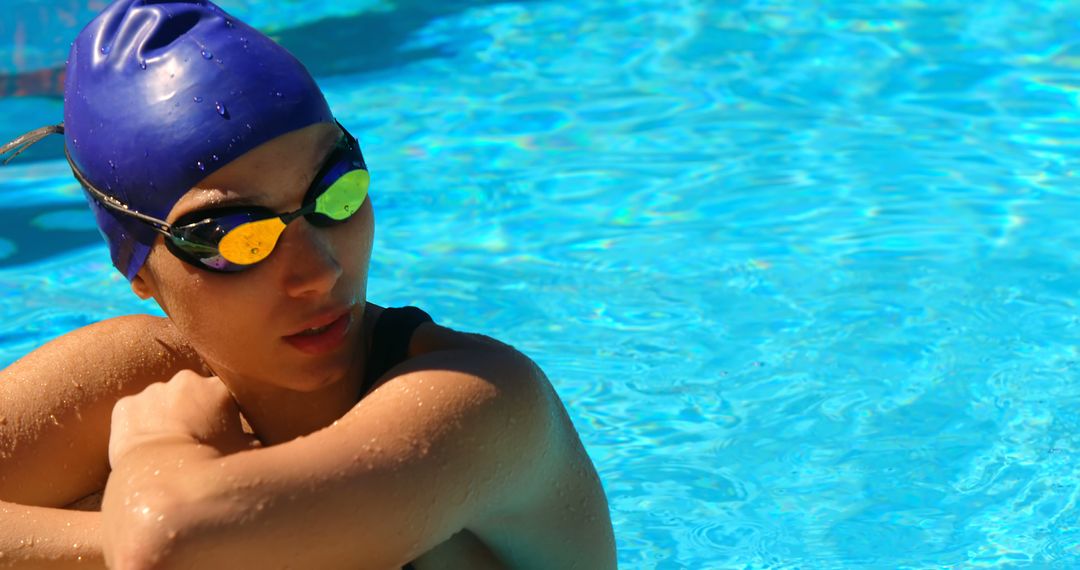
x: 252, y: 242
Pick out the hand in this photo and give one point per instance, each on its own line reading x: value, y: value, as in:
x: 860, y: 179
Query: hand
x: 190, y: 407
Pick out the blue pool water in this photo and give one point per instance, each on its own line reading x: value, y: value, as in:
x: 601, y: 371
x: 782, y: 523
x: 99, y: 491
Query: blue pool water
x: 803, y: 273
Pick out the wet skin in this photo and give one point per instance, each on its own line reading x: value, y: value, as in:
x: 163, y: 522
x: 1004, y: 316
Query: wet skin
x: 462, y: 457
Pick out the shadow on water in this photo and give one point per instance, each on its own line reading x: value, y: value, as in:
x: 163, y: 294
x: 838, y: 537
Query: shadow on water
x: 39, y: 232
x: 371, y: 41
x: 361, y: 43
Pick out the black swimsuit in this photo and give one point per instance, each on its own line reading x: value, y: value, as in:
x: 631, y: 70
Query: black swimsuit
x: 390, y: 341
x: 390, y: 346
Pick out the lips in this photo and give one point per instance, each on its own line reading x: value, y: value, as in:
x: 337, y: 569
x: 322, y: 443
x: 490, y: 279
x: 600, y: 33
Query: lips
x: 322, y: 335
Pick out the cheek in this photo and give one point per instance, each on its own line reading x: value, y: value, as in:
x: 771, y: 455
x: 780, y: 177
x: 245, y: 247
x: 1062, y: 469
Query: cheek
x: 209, y: 310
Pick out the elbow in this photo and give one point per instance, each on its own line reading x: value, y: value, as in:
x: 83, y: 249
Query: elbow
x: 161, y: 526
x: 142, y: 541
x: 153, y: 534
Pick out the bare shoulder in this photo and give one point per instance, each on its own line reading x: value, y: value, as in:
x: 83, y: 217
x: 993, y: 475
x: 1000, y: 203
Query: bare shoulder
x: 55, y: 404
x: 555, y: 515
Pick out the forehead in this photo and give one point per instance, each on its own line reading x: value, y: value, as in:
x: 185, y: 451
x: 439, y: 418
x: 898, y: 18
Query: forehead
x: 264, y: 173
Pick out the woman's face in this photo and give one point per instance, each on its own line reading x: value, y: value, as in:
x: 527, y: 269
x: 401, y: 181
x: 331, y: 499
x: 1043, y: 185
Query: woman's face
x: 294, y: 320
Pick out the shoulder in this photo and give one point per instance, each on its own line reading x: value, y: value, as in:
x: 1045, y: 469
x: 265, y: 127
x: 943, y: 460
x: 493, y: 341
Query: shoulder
x: 428, y: 341
x: 119, y: 340
x: 522, y: 436
x: 543, y: 490
x: 57, y: 401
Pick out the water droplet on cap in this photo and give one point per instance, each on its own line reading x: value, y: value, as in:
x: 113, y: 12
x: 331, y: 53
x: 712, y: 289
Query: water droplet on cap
x: 278, y: 94
x: 215, y: 157
x: 207, y: 54
x: 105, y: 49
x: 197, y: 99
x: 200, y: 165
x: 228, y: 23
x: 221, y: 109
x: 142, y: 64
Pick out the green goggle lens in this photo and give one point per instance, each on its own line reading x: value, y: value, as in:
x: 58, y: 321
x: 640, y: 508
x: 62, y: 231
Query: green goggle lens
x: 344, y: 203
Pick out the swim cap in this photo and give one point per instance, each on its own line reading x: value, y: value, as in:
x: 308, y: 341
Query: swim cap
x: 160, y: 94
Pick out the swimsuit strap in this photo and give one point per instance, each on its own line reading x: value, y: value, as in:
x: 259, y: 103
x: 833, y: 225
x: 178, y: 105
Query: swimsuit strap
x: 390, y: 341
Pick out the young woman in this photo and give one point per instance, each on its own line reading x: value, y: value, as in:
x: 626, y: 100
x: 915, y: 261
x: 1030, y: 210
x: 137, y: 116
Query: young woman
x: 275, y: 419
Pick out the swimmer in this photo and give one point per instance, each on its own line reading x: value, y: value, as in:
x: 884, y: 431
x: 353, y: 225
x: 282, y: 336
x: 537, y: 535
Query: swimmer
x: 275, y: 418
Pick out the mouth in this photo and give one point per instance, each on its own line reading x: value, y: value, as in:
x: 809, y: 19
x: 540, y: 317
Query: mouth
x: 323, y: 337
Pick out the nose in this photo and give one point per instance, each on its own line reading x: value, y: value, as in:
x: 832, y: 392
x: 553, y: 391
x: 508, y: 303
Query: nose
x: 311, y: 266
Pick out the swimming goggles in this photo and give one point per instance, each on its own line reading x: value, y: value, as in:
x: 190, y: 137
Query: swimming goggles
x: 235, y: 238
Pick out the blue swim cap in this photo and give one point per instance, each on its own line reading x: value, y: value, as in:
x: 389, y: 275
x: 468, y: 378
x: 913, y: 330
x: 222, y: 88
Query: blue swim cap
x: 161, y: 93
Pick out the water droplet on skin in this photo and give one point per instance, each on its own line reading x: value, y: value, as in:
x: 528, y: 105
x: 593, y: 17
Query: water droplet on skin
x: 197, y: 99
x: 200, y: 165
x: 207, y: 54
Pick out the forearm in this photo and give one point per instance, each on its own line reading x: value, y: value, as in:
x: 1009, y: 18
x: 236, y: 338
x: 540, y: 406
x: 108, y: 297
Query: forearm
x: 49, y: 539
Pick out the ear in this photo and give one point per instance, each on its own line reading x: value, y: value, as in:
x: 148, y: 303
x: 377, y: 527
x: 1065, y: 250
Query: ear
x: 144, y: 284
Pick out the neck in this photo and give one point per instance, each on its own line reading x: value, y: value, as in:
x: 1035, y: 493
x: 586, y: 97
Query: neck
x: 282, y: 415
x: 276, y: 415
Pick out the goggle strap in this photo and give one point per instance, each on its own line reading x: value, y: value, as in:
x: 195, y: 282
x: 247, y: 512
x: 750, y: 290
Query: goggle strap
x: 161, y: 226
x: 27, y: 140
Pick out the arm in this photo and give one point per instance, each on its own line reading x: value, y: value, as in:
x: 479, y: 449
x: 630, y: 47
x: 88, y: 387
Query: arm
x: 55, y: 405
x: 42, y: 538
x: 457, y: 439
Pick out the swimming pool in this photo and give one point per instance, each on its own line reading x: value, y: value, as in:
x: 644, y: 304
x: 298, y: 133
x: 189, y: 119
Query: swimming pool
x: 802, y: 274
